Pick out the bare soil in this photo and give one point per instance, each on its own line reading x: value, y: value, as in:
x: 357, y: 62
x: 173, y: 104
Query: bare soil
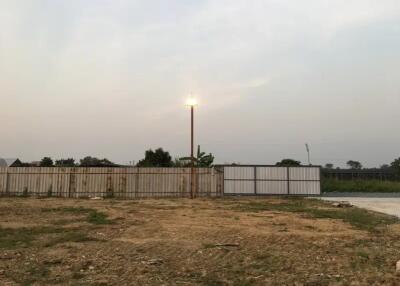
x: 235, y: 241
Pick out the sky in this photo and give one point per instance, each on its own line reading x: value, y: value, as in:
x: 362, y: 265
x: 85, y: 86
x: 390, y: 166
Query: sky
x: 110, y: 79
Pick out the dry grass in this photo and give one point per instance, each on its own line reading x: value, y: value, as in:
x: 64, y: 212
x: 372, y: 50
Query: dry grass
x: 195, y: 242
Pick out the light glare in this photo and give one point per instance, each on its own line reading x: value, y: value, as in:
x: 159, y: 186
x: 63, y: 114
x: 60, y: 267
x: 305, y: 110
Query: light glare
x: 191, y: 101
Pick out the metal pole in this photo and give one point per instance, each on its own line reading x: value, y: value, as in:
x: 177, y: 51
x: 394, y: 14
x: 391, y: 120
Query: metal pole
x: 192, y: 184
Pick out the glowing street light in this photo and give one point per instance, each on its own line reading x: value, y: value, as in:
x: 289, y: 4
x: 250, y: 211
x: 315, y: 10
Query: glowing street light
x: 191, y: 101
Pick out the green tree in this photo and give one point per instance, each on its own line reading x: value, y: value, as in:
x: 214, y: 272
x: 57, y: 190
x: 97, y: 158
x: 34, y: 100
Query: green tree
x: 46, y: 162
x: 201, y: 160
x: 396, y: 165
x: 157, y: 158
x: 329, y: 166
x: 70, y: 162
x: 89, y: 161
x: 288, y: 163
x: 355, y: 165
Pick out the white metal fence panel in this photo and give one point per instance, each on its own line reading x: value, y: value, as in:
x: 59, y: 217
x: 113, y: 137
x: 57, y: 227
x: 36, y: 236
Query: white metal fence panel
x: 236, y: 187
x: 272, y: 188
x: 271, y: 180
x: 304, y: 173
x: 242, y: 173
x: 271, y: 173
x: 304, y: 188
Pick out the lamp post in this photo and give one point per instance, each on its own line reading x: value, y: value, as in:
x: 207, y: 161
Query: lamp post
x: 308, y: 153
x: 191, y: 102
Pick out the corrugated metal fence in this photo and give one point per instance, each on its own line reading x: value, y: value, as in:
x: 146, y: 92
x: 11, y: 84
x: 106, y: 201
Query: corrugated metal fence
x: 126, y: 183
x: 271, y: 180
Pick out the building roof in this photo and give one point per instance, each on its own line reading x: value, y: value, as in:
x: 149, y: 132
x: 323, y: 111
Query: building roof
x: 8, y: 162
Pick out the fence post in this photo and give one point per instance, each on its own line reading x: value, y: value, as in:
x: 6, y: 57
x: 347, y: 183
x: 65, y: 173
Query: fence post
x: 70, y: 182
x: 255, y: 180
x: 288, y: 180
x: 7, y: 182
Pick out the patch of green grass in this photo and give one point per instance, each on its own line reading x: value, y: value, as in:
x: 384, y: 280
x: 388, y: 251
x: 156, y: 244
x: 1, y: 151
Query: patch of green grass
x: 96, y: 217
x: 11, y: 238
x: 358, y: 218
x: 93, y: 216
x: 373, y: 186
x: 14, y: 238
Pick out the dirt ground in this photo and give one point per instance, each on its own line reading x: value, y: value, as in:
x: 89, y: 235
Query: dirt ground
x: 235, y: 241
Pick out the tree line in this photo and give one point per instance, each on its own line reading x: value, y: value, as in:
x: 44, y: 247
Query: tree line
x: 351, y: 164
x: 156, y: 158
x: 161, y: 158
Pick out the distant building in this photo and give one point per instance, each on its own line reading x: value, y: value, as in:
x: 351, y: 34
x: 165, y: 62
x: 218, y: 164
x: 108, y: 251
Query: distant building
x: 14, y: 162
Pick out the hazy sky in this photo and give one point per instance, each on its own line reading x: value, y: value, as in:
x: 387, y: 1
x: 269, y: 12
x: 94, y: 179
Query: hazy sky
x: 110, y: 78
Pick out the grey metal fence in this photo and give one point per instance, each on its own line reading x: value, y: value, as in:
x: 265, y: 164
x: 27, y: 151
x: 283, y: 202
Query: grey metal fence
x: 271, y: 180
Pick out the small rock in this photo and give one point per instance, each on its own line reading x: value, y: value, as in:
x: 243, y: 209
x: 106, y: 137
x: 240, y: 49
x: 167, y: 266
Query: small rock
x: 96, y: 198
x: 398, y: 266
x: 91, y: 267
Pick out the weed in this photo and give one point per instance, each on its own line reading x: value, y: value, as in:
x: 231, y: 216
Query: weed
x: 25, y: 193
x: 96, y: 217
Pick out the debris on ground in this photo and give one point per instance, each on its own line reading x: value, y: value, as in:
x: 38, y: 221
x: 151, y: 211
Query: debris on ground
x: 155, y: 261
x: 342, y: 204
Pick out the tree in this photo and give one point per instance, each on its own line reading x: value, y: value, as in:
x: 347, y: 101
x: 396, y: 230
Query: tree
x: 70, y: 162
x: 178, y: 163
x: 95, y: 162
x: 355, y: 165
x: 396, y: 165
x: 288, y: 163
x: 202, y: 159
x: 46, y: 162
x: 328, y: 166
x: 157, y: 158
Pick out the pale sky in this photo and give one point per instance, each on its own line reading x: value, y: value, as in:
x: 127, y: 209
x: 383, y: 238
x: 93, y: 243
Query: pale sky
x: 110, y: 78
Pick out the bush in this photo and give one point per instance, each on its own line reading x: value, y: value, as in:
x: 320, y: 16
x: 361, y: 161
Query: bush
x: 371, y: 186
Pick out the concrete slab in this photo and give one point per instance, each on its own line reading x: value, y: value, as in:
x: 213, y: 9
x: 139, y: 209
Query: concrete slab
x: 389, y: 206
